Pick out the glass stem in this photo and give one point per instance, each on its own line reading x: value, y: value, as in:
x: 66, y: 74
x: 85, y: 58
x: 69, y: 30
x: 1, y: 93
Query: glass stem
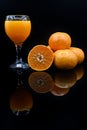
x: 18, y: 54
x: 19, y: 79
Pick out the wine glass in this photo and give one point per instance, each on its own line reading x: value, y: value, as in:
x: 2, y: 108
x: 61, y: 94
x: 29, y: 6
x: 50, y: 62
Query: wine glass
x: 18, y: 29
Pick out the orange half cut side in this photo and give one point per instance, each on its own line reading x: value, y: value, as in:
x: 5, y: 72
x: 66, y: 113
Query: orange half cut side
x: 40, y: 58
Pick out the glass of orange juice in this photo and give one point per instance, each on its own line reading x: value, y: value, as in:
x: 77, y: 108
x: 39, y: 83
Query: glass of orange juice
x: 18, y: 29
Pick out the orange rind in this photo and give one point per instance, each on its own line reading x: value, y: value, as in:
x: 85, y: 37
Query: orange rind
x: 59, y: 40
x: 79, y: 53
x: 65, y: 59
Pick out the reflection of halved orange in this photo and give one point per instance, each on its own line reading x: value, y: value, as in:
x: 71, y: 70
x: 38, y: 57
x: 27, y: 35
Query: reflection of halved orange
x: 79, y: 70
x: 57, y: 91
x: 59, y: 40
x: 41, y: 82
x: 65, y: 59
x: 21, y: 100
x: 40, y: 58
x: 79, y: 53
x: 65, y: 79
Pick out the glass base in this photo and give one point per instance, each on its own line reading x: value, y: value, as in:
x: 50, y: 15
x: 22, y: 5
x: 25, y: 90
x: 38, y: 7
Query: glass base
x: 19, y: 66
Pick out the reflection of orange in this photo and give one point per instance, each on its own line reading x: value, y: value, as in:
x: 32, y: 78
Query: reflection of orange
x: 57, y: 91
x: 65, y: 59
x: 79, y: 70
x: 41, y: 82
x: 65, y: 79
x: 59, y: 40
x: 40, y: 58
x: 21, y: 100
x: 79, y: 53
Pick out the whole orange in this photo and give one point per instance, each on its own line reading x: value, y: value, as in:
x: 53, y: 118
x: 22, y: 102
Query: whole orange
x: 59, y: 40
x: 65, y: 59
x: 79, y: 53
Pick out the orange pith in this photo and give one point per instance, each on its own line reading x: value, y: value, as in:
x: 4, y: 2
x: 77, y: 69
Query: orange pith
x: 41, y: 82
x: 59, y: 40
x: 40, y: 58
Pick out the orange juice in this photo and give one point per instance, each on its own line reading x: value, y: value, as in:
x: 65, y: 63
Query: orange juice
x: 17, y: 30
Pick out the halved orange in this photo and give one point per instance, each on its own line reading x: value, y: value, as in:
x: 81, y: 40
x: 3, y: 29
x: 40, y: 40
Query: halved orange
x: 41, y: 82
x: 40, y: 58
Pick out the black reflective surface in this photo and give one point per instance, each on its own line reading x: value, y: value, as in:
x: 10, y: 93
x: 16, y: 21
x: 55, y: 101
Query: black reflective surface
x: 53, y: 99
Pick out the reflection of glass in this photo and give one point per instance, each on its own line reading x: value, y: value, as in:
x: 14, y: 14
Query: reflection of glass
x: 41, y: 82
x: 21, y: 100
x: 18, y: 28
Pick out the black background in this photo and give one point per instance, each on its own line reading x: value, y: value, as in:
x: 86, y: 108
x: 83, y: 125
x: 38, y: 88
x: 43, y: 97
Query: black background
x: 47, y: 16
